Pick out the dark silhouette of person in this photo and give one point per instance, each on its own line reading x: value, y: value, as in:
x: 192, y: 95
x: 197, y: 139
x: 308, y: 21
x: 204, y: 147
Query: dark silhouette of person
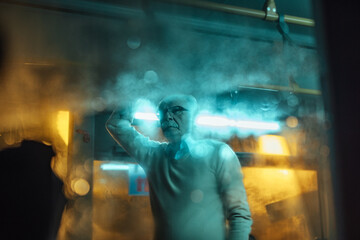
x: 32, y: 195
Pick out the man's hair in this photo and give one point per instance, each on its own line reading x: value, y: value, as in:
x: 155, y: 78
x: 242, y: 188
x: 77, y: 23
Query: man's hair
x: 187, y: 101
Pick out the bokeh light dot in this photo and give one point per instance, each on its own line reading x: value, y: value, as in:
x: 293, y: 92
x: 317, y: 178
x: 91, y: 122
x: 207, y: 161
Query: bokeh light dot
x: 196, y: 196
x: 150, y: 77
x: 80, y: 186
x: 133, y: 42
x: 292, y: 122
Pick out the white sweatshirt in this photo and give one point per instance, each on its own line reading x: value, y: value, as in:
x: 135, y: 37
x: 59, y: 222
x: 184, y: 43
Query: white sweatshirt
x: 192, y: 191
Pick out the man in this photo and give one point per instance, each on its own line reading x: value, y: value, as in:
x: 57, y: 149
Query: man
x: 195, y: 185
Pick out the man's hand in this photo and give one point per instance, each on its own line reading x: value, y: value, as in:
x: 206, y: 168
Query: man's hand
x: 123, y: 112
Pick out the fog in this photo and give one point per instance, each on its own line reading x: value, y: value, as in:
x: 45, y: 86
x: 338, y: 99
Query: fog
x: 86, y: 64
x: 80, y: 63
x: 83, y: 64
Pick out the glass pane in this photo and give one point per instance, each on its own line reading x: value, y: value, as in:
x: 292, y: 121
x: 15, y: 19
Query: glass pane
x: 68, y: 64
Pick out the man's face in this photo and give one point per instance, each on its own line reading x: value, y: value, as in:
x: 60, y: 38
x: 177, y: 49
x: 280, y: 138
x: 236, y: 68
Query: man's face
x: 175, y: 119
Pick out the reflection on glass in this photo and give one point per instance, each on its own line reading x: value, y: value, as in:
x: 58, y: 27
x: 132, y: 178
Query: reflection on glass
x: 258, y: 91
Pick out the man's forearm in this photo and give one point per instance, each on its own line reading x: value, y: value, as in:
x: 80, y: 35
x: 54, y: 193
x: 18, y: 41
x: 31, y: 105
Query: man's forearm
x: 133, y: 142
x: 119, y: 126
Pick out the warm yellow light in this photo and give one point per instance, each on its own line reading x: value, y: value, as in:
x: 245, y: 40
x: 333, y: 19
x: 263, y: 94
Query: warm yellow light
x: 285, y: 172
x: 46, y: 143
x: 274, y: 145
x: 80, y: 186
x: 62, y: 124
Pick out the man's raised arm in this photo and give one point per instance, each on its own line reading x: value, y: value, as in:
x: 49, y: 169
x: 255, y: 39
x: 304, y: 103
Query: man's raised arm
x: 134, y: 143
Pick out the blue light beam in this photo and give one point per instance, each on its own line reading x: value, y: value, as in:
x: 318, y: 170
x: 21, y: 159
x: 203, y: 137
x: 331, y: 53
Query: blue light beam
x: 218, y: 121
x: 114, y: 166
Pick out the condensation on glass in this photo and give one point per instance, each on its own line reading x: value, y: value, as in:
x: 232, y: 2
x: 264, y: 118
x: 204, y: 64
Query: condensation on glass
x: 69, y: 64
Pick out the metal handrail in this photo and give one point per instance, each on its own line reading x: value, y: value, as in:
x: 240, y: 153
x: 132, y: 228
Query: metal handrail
x: 244, y: 11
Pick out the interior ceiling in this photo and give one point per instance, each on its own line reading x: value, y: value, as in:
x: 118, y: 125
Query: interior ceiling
x: 254, y: 27
x: 199, y: 18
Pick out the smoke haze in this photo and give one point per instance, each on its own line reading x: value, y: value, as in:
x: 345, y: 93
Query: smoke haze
x: 64, y: 61
x: 53, y: 61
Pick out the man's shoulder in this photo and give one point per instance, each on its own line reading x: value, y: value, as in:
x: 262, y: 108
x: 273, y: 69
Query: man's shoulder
x: 217, y: 147
x: 213, y: 142
x: 222, y: 149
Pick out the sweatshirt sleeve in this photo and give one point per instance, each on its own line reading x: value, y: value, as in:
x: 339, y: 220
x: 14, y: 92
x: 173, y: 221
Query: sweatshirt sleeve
x: 138, y: 146
x: 232, y: 190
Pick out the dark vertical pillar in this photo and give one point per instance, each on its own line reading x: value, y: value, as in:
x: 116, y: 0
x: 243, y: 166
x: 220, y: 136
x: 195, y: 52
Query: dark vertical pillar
x: 339, y: 42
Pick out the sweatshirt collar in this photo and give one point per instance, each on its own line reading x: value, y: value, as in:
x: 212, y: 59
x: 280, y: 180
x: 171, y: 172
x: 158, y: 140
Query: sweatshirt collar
x: 186, y: 145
